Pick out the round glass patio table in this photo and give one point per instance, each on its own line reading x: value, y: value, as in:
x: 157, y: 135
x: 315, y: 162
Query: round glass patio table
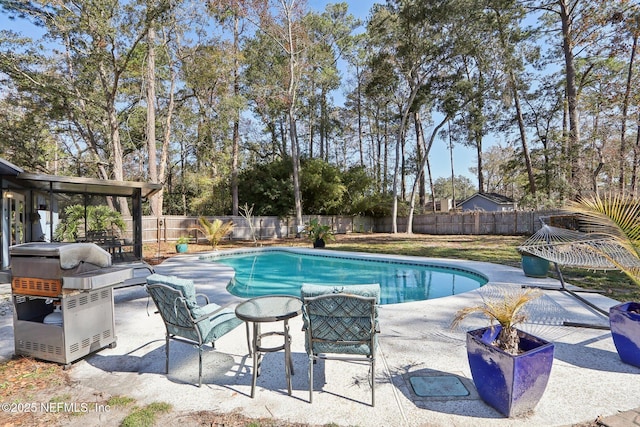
x: 266, y: 309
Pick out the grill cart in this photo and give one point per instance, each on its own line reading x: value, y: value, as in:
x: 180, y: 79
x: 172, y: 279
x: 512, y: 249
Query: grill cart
x: 63, y: 299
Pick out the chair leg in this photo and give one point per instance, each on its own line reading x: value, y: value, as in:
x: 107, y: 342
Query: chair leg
x: 373, y: 382
x: 166, y: 350
x: 248, y: 338
x: 256, y: 355
x: 200, y: 366
x: 311, y: 362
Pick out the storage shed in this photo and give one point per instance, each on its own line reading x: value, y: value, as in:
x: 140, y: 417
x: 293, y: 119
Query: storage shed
x: 489, y: 202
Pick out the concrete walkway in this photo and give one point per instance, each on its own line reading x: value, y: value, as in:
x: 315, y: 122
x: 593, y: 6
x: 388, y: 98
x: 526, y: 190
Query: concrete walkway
x: 417, y: 348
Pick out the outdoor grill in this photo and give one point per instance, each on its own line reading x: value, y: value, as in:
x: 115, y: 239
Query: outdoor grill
x: 63, y: 299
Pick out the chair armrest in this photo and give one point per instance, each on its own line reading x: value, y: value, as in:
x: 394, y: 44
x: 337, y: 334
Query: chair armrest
x: 206, y: 298
x: 208, y: 315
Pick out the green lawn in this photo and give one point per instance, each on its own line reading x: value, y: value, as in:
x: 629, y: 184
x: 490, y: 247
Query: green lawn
x: 496, y: 249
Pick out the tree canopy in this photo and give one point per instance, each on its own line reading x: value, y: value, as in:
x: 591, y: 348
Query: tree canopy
x: 293, y: 111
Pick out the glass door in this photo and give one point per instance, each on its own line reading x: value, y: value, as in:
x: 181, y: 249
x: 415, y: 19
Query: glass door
x: 12, y: 230
x: 17, y: 218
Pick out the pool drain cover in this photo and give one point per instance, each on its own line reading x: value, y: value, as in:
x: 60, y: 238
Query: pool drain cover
x: 438, y: 386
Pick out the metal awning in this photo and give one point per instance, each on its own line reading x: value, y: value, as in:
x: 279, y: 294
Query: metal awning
x: 68, y: 184
x: 8, y: 168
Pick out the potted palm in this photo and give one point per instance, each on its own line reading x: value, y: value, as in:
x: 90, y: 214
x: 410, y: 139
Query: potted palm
x: 319, y: 233
x: 510, y: 368
x: 182, y: 244
x: 215, y: 230
x: 618, y: 216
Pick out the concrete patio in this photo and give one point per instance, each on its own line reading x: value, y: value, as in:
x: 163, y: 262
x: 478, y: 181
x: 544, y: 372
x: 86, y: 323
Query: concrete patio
x: 419, y: 357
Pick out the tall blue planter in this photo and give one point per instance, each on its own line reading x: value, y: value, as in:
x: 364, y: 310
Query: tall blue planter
x: 625, y: 331
x: 512, y: 384
x: 534, y: 266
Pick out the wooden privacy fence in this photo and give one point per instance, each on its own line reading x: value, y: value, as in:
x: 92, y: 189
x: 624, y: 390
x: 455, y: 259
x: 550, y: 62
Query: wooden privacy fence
x: 472, y: 222
x: 169, y: 228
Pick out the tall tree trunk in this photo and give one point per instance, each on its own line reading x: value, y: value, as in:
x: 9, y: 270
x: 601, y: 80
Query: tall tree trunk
x: 636, y: 158
x: 481, y: 186
x: 324, y: 141
x: 166, y: 138
x: 513, y: 84
x: 114, y: 134
x: 291, y: 48
x: 385, y: 162
x: 403, y: 172
x: 235, y: 144
x: 523, y: 136
x: 574, y: 160
x: 431, y: 187
x: 420, y: 173
x: 151, y: 115
x: 359, y: 112
x: 625, y: 110
x: 419, y: 156
x: 396, y: 167
x: 312, y: 123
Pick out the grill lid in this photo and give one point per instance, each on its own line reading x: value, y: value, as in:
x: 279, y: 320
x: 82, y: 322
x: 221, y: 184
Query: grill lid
x: 70, y: 255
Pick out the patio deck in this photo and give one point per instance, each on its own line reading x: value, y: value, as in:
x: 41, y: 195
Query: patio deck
x: 417, y: 347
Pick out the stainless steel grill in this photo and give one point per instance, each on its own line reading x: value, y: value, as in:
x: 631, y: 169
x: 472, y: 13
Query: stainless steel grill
x: 76, y: 277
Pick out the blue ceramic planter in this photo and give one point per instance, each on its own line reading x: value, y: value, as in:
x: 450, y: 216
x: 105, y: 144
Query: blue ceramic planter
x: 625, y: 330
x: 181, y: 248
x: 534, y: 266
x: 513, y: 385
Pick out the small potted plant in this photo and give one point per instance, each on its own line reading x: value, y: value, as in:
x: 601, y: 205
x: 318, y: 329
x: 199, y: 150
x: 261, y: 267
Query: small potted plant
x: 182, y: 244
x: 510, y: 368
x: 318, y: 233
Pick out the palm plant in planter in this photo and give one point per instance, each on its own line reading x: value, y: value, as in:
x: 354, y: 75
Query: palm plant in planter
x: 510, y: 368
x: 214, y: 230
x: 319, y: 233
x: 182, y: 244
x: 618, y: 216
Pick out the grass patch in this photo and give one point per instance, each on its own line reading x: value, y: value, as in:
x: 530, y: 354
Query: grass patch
x: 146, y: 416
x: 120, y: 401
x: 64, y: 398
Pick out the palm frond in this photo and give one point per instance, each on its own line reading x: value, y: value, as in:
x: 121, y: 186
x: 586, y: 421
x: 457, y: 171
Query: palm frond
x: 616, y: 215
x: 505, y: 308
x: 214, y: 231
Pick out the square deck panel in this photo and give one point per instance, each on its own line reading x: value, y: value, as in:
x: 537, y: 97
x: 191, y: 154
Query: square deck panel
x: 438, y: 386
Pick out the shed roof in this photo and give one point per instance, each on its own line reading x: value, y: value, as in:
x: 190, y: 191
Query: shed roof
x: 8, y: 168
x: 494, y: 197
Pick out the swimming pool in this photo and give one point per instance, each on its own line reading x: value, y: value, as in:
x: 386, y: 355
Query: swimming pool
x: 282, y: 272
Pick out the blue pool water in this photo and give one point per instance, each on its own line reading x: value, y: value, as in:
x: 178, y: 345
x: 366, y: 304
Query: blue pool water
x: 282, y: 273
